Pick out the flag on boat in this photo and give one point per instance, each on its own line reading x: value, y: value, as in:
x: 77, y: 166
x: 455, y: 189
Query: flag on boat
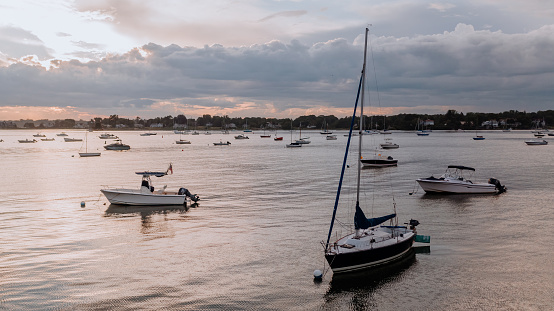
x: 170, y: 168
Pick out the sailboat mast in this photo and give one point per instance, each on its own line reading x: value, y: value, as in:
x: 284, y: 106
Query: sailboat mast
x: 361, y: 127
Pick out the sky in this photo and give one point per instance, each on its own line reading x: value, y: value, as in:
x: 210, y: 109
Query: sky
x: 81, y: 59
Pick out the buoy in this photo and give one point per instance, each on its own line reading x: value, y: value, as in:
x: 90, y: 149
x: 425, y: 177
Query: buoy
x: 318, y: 275
x: 82, y: 203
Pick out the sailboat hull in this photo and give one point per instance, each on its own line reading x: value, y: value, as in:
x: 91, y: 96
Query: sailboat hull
x: 342, y: 262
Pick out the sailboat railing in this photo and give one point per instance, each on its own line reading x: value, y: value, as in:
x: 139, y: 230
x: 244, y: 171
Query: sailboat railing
x: 344, y: 163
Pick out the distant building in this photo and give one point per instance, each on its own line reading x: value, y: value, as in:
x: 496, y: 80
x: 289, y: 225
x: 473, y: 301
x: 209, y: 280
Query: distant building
x: 428, y: 122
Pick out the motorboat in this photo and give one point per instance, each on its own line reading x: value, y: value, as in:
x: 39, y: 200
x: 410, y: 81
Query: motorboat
x: 182, y: 142
x: 148, y: 134
x: 47, y: 139
x: 389, y: 145
x: 39, y: 135
x: 117, y: 145
x: 27, y: 141
x: 379, y: 161
x: 147, y: 194
x: 61, y: 134
x: 454, y: 180
x: 331, y: 137
x: 302, y: 141
x: 107, y: 136
x: 241, y: 136
x: 534, y: 142
x: 220, y: 143
x: 69, y: 140
x: 370, y: 243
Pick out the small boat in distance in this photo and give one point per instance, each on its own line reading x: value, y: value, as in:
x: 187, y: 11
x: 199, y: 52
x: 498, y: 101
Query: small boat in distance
x: 534, y: 142
x: 117, y: 145
x: 182, y: 142
x: 278, y: 138
x: 70, y: 140
x: 331, y: 137
x: 61, y: 134
x: 379, y: 160
x: 220, y: 143
x: 146, y: 194
x: 27, y: 141
x: 47, y: 139
x: 454, y: 181
x: 39, y: 135
x: 148, y: 134
x: 389, y: 145
x: 107, y: 136
x: 241, y: 136
x: 478, y: 137
x: 87, y: 154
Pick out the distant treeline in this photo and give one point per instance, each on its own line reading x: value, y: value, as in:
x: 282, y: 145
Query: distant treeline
x: 452, y: 120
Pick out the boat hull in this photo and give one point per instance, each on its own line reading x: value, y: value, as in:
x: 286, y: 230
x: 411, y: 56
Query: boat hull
x: 442, y: 186
x: 379, y: 162
x: 369, y: 258
x: 89, y: 154
x: 135, y: 197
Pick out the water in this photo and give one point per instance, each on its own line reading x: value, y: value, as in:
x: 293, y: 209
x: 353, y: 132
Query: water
x: 253, y: 242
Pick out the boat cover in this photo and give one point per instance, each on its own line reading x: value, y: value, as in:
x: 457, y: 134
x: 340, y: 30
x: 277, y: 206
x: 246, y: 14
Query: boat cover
x: 460, y: 167
x: 361, y: 222
x: 157, y: 174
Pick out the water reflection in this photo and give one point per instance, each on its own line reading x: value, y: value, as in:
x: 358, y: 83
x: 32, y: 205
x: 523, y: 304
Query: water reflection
x: 145, y: 211
x: 358, y: 288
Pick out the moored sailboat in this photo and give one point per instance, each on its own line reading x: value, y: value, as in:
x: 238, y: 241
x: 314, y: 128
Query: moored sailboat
x: 370, y: 244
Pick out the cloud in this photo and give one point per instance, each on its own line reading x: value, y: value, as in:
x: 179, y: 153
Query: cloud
x: 17, y: 42
x: 473, y: 70
x: 284, y: 14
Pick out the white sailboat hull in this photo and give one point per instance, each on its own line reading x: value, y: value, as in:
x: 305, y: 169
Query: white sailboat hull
x: 138, y: 197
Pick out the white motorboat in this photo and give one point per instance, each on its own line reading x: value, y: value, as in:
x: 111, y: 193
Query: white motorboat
x: 107, y: 136
x: 455, y: 181
x: 117, y: 145
x: 39, y: 135
x: 241, y: 136
x: 535, y: 142
x: 146, y: 194
x: 389, y: 145
x: 331, y: 137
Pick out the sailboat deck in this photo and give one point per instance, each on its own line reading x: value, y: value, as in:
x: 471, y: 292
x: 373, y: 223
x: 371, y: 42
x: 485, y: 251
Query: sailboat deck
x: 372, y: 238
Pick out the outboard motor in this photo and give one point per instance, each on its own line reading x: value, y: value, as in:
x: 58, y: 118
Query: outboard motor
x: 184, y: 191
x: 497, y: 185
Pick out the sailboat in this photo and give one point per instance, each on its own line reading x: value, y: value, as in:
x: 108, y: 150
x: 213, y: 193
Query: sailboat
x: 292, y: 144
x: 302, y: 140
x: 324, y: 129
x: 370, y: 244
x: 86, y: 153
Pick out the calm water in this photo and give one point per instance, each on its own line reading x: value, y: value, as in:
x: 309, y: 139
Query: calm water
x: 253, y: 242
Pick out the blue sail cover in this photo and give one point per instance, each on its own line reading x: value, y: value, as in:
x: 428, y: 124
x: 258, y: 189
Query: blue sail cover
x: 361, y: 222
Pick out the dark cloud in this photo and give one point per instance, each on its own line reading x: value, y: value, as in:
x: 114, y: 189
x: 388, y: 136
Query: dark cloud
x: 461, y: 68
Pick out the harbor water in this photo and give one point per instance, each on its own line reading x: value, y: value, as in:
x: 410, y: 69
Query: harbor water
x: 254, y: 239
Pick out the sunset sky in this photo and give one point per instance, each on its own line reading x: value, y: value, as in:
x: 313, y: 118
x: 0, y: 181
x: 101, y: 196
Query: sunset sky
x: 81, y: 59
